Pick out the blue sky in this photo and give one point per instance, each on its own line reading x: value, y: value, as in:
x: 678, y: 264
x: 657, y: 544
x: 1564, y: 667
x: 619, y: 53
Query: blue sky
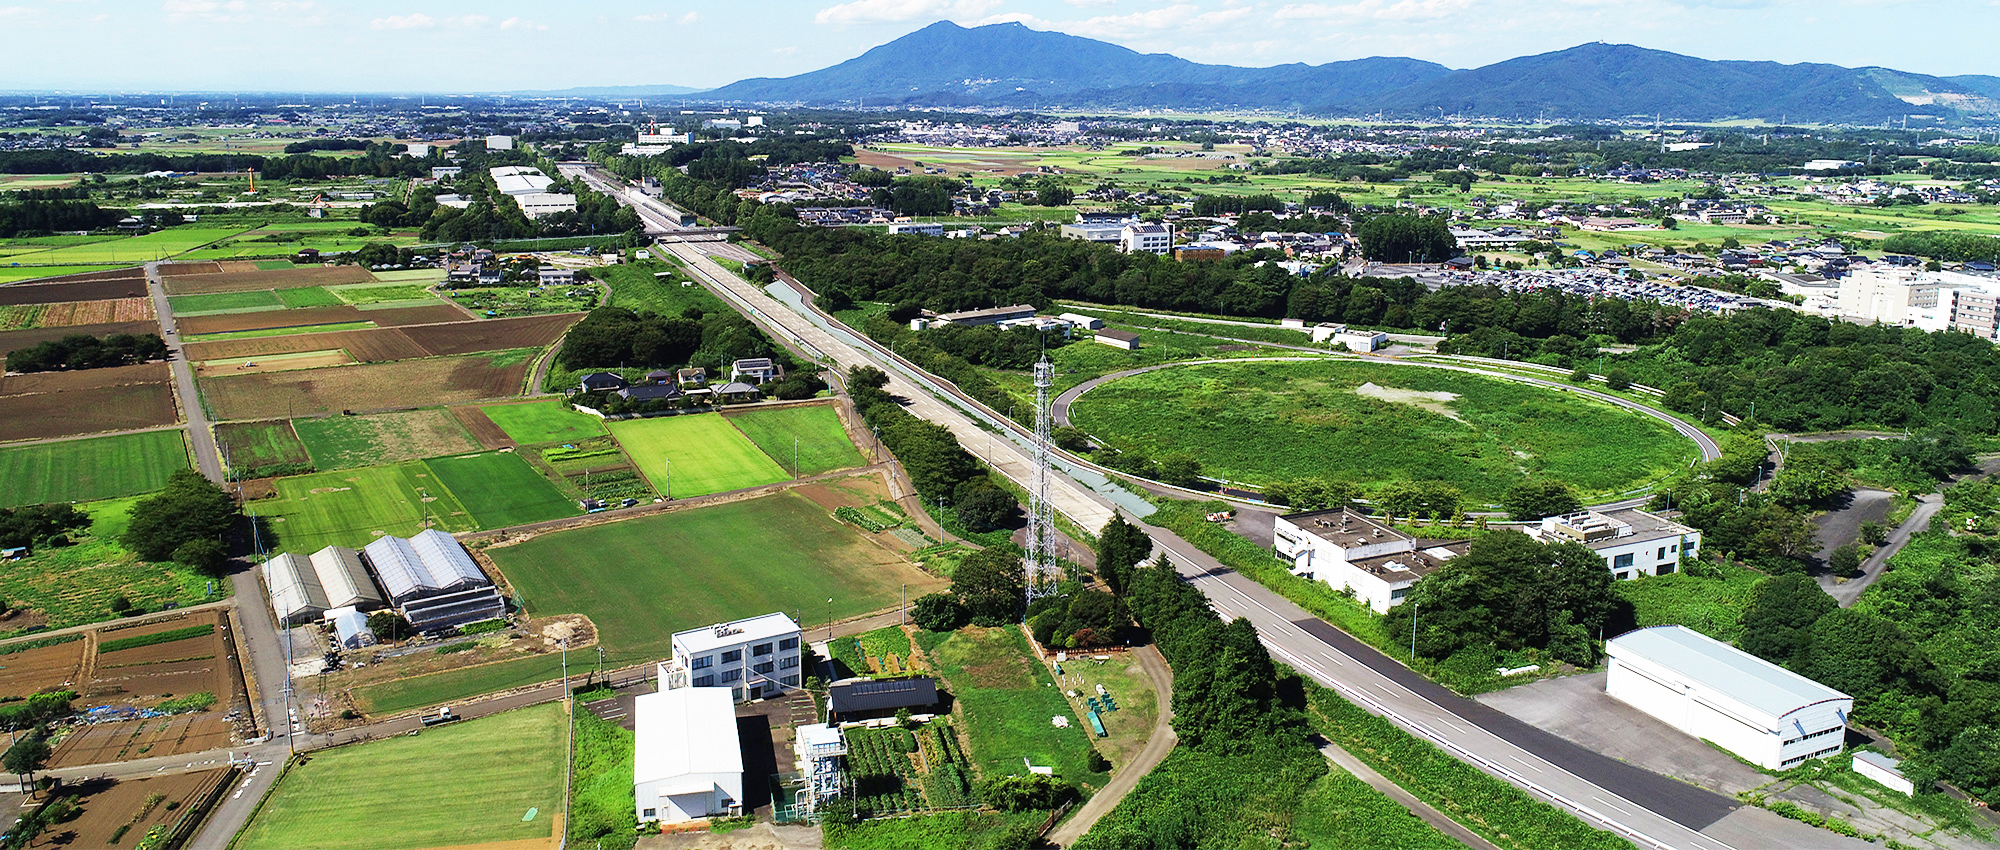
x: 497, y: 45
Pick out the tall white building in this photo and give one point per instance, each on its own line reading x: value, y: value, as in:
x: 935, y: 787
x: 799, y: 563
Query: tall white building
x: 1147, y: 239
x: 1764, y: 713
x: 1931, y: 301
x: 754, y: 658
x: 499, y: 143
x: 1633, y: 543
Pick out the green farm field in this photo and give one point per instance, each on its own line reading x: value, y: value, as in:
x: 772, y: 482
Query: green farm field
x: 15, y: 274
x: 1005, y: 698
x: 695, y: 455
x: 73, y: 585
x: 500, y: 489
x: 344, y: 442
x: 386, y: 698
x: 85, y: 470
x: 500, y: 768
x: 132, y: 249
x: 821, y: 441
x: 306, y: 296
x: 543, y: 422
x: 261, y: 449
x: 376, y: 293
x: 216, y: 303
x: 354, y: 506
x: 777, y: 553
x: 1263, y: 422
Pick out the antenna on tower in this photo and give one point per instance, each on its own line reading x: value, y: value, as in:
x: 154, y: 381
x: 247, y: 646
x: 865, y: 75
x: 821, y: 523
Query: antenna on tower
x: 1043, y: 571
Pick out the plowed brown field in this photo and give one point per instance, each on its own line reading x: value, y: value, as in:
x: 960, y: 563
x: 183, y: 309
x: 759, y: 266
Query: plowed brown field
x: 16, y: 340
x: 33, y: 670
x: 44, y: 415
x: 93, y: 289
x: 107, y: 311
x: 482, y: 427
x: 371, y: 386
x: 297, y: 318
x: 84, y: 379
x: 199, y: 267
x: 106, y: 806
x: 245, y: 281
x: 375, y: 345
x: 494, y: 335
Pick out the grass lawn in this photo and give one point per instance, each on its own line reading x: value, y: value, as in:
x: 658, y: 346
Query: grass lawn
x: 821, y: 442
x: 355, y: 506
x: 342, y: 442
x: 467, y: 783
x: 1132, y: 724
x: 388, y: 698
x: 274, y: 265
x: 84, y: 470
x: 261, y: 449
x: 135, y: 249
x: 375, y: 293
x: 695, y: 455
x: 1003, y: 699
x: 634, y: 287
x: 305, y: 296
x: 500, y: 489
x: 405, y: 275
x: 601, y: 800
x: 1262, y: 422
x: 262, y: 332
x: 10, y: 274
x: 543, y: 422
x: 777, y: 553
x: 216, y: 303
x: 941, y: 831
x: 1712, y: 606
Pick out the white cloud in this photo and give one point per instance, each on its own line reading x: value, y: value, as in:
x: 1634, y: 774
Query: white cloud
x: 1115, y: 2
x: 1381, y: 10
x: 214, y: 11
x: 419, y: 20
x: 690, y: 18
x: 521, y: 24
x: 880, y: 11
x: 414, y: 20
x: 669, y: 17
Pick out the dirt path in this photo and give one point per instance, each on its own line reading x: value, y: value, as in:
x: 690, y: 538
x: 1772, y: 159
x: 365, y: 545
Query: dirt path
x: 1127, y: 777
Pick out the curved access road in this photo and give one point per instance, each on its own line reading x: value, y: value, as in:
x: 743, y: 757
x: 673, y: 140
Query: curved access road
x: 1710, y: 450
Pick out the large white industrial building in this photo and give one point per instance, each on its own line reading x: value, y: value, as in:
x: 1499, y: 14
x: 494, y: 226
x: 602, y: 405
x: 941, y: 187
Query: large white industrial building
x: 1930, y: 301
x: 1767, y: 715
x: 687, y: 760
x: 432, y: 581
x: 753, y: 658
x: 304, y: 589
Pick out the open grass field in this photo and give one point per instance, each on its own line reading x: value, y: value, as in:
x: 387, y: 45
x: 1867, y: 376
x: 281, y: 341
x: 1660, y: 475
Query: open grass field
x: 367, y: 386
x: 635, y: 287
x: 415, y: 692
x: 543, y: 422
x: 381, y: 293
x: 260, y: 449
x: 345, y: 442
x: 695, y: 455
x: 1003, y: 698
x: 821, y: 441
x: 12, y: 273
x: 500, y: 489
x: 84, y: 470
x: 1712, y: 605
x: 1373, y: 424
x: 305, y: 296
x: 776, y: 553
x: 225, y: 302
x: 131, y: 249
x: 467, y: 783
x: 354, y: 506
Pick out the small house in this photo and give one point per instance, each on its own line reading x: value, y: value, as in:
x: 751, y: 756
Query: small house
x: 659, y: 376
x: 737, y: 391
x: 549, y: 276
x: 597, y: 382
x: 1118, y: 339
x: 756, y: 370
x: 306, y: 255
x: 691, y: 375
x: 649, y: 392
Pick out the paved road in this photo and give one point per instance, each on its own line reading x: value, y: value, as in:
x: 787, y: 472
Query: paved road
x: 207, y: 459
x: 1158, y: 746
x: 1871, y: 569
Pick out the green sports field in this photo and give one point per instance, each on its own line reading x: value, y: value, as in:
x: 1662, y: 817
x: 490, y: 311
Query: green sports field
x: 471, y: 782
x: 354, y: 506
x: 500, y: 489
x: 813, y: 434
x: 215, y: 303
x: 777, y: 553
x: 543, y: 422
x: 84, y: 470
x: 695, y: 455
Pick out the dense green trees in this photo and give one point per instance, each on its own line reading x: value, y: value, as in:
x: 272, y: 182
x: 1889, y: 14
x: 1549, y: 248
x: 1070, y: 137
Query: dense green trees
x: 1781, y: 610
x: 34, y: 525
x: 612, y: 337
x: 190, y: 508
x: 1120, y: 547
x: 1537, y: 498
x: 1512, y: 592
x: 83, y: 351
x: 1076, y: 617
x: 1406, y: 239
x: 990, y: 584
x: 37, y: 217
x: 937, y: 612
x: 1226, y: 688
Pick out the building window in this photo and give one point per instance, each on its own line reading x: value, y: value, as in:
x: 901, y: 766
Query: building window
x: 731, y: 656
x: 702, y: 662
x: 763, y: 667
x: 1399, y: 593
x: 650, y: 814
x: 1624, y: 576
x: 790, y: 681
x: 707, y: 681
x: 1664, y: 568
x: 1617, y: 563
x: 1663, y: 554
x: 761, y: 649
x: 732, y: 675
x: 788, y: 662
x: 788, y: 644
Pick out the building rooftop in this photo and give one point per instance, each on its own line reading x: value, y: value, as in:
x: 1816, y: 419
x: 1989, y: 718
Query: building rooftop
x: 734, y: 632
x: 1344, y: 528
x: 989, y: 313
x: 1593, y: 528
x: 1402, y: 566
x: 882, y: 694
x: 1114, y: 333
x: 683, y: 732
x: 1723, y: 669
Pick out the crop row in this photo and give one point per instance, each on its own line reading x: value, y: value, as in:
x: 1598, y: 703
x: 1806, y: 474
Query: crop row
x: 854, y: 516
x: 878, y: 764
x: 168, y: 636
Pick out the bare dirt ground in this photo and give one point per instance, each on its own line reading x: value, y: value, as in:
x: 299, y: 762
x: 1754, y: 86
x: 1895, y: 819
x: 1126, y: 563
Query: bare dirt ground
x: 107, y: 805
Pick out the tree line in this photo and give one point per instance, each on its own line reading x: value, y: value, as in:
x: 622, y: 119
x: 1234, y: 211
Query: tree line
x: 33, y: 217
x: 83, y: 351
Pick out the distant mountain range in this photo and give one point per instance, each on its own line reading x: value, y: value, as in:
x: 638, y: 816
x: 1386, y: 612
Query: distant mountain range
x: 1010, y: 65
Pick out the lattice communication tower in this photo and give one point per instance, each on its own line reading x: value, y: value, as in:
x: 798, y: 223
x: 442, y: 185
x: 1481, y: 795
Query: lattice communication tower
x: 1043, y: 568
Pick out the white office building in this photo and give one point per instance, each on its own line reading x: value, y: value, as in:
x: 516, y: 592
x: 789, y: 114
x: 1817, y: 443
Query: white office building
x: 1147, y: 239
x: 1107, y: 227
x: 916, y: 228
x: 687, y: 759
x: 519, y: 180
x: 1769, y: 716
x: 753, y: 658
x: 1930, y: 301
x: 1633, y: 543
x: 539, y: 204
x: 499, y: 143
x: 1350, y: 551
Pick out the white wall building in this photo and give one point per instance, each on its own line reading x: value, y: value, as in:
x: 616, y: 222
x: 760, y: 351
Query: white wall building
x: 687, y: 760
x: 1931, y: 301
x: 539, y: 204
x: 1147, y: 239
x: 1764, y: 713
x: 1884, y: 770
x: 1109, y: 232
x: 1359, y: 340
x: 499, y: 143
x: 520, y: 179
x: 1348, y: 550
x: 753, y: 658
x: 917, y: 228
x: 1633, y: 543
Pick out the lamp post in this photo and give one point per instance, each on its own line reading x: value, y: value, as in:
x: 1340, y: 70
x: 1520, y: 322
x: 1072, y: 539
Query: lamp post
x: 1414, y: 606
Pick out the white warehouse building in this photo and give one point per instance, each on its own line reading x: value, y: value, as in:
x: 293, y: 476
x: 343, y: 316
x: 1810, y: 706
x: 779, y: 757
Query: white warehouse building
x: 1763, y: 713
x: 687, y: 759
x: 753, y: 658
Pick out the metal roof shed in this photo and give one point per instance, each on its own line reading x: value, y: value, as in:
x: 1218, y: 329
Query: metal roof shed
x: 296, y: 595
x: 1704, y: 687
x: 449, y: 564
x: 402, y: 573
x: 845, y: 699
x: 344, y: 579
x: 687, y: 757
